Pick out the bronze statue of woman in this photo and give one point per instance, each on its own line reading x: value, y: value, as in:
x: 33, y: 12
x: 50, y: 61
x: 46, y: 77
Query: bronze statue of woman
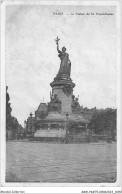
x: 65, y: 65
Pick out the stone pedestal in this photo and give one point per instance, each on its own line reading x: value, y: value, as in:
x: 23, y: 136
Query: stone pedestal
x: 63, y: 88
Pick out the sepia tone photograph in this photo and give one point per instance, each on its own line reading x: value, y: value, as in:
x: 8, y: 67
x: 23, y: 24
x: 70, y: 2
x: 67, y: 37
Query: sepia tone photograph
x: 61, y: 93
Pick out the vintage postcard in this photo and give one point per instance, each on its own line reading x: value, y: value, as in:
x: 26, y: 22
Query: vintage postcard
x: 60, y: 100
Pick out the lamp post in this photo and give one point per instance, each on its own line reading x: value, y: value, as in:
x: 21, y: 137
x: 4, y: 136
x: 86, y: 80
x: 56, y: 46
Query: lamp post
x: 31, y: 123
x: 67, y: 127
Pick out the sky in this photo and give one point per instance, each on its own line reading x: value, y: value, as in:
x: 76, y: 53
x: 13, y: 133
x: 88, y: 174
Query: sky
x: 32, y: 60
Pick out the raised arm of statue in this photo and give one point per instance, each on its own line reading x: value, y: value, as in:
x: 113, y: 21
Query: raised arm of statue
x: 57, y: 46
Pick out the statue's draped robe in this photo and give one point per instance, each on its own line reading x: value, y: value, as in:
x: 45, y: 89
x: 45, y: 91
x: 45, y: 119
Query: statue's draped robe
x: 65, y: 66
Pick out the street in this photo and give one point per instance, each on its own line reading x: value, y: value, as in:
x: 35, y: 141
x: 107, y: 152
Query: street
x: 60, y: 163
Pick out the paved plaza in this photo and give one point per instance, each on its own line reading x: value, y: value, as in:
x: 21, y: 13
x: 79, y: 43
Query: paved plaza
x: 60, y: 163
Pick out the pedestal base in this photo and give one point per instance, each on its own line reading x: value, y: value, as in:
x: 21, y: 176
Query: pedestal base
x: 63, y: 87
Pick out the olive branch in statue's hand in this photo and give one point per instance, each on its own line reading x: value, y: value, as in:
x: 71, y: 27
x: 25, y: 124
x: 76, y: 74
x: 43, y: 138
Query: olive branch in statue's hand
x: 57, y: 40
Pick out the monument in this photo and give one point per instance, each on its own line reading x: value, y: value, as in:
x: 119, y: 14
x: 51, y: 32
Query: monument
x: 62, y: 86
x: 51, y: 120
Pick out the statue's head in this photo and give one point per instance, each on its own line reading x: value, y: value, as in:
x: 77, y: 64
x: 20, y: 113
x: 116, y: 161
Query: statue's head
x: 73, y: 97
x: 63, y: 49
